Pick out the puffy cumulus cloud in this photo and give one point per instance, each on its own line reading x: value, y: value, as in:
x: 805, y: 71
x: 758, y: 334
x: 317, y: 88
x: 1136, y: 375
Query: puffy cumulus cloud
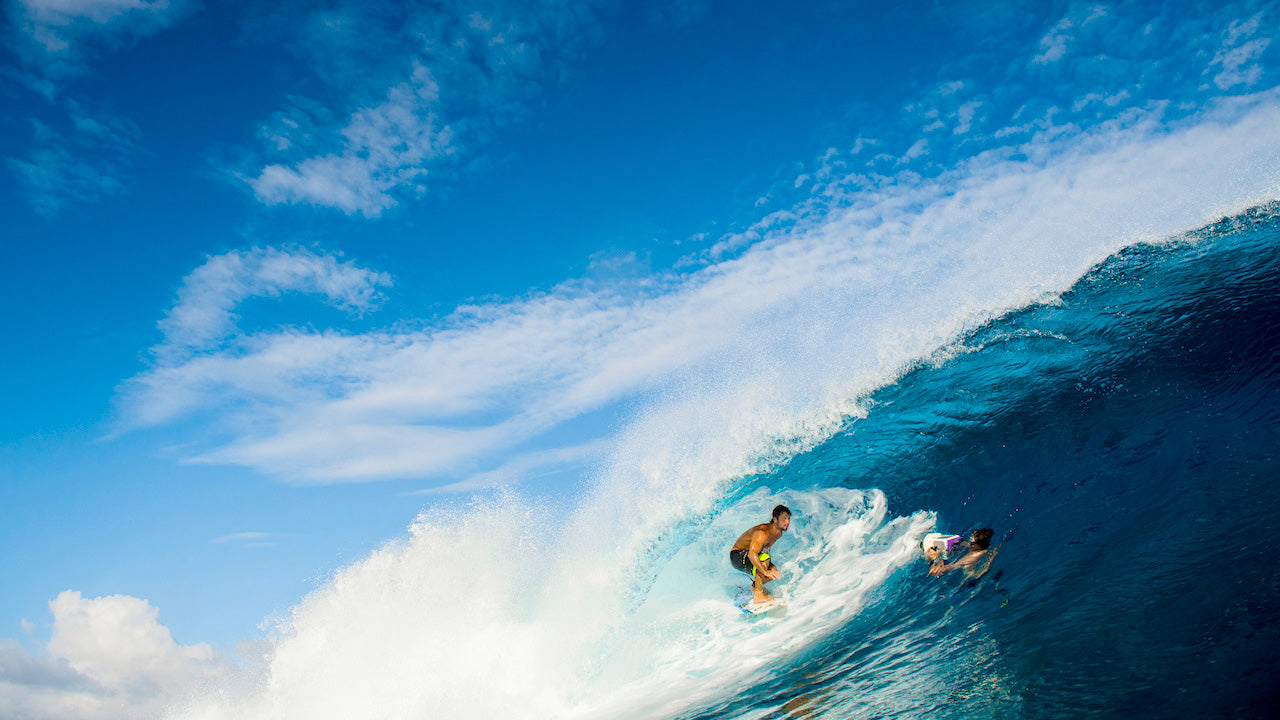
x: 109, y: 658
x: 58, y: 36
x: 454, y: 70
x: 118, y: 642
x: 832, y: 296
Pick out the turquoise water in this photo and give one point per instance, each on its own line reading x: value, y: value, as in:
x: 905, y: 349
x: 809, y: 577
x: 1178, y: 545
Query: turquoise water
x: 1124, y: 443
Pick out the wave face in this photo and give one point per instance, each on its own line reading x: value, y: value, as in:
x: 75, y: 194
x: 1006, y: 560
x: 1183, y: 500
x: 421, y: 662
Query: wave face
x: 1123, y: 444
x: 1121, y: 438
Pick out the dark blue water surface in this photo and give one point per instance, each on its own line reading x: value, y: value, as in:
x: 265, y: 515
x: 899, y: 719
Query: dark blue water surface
x: 1124, y: 443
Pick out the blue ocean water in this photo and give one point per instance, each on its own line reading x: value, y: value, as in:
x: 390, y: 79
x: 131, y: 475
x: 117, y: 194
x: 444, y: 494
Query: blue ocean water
x: 1124, y: 443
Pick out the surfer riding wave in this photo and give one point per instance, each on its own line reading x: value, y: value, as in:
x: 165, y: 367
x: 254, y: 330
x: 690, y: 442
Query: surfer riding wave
x: 749, y: 554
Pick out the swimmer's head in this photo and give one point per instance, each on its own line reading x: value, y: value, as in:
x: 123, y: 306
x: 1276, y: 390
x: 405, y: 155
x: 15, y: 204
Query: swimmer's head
x: 981, y: 539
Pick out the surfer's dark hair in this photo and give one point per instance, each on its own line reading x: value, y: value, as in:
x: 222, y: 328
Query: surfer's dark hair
x: 982, y: 538
x: 779, y: 510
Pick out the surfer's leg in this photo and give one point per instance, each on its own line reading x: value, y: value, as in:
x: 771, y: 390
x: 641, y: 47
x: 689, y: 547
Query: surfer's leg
x: 757, y: 585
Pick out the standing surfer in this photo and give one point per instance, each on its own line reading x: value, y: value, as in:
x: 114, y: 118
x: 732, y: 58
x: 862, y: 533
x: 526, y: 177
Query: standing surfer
x: 750, y: 553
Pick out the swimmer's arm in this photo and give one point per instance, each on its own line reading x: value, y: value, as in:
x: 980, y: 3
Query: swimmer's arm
x: 967, y: 562
x: 986, y: 562
x: 937, y: 565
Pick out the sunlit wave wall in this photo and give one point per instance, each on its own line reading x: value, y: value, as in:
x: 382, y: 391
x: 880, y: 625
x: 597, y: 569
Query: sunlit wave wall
x: 920, y: 353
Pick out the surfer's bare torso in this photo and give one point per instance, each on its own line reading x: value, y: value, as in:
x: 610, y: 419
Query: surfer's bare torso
x: 759, y: 538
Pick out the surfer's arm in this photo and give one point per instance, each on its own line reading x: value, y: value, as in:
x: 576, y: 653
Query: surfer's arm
x: 753, y: 554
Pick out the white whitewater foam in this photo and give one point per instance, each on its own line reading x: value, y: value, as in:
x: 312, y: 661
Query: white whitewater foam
x: 471, y: 618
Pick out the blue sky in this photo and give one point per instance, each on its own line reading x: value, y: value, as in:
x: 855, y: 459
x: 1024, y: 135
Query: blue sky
x: 282, y: 275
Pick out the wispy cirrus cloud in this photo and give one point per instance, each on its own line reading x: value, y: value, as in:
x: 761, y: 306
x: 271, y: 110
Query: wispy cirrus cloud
x: 88, y: 159
x: 1236, y: 62
x: 203, y: 324
x: 58, y: 37
x: 248, y: 539
x: 830, y: 300
x: 1096, y: 63
x: 385, y: 148
x: 449, y: 73
x: 84, y: 155
x: 205, y: 311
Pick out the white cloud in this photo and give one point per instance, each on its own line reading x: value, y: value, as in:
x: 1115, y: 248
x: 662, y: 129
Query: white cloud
x: 1237, y: 59
x: 918, y: 149
x: 118, y: 642
x: 965, y: 116
x: 385, y: 147
x: 862, y: 144
x: 109, y: 659
x: 957, y: 104
x: 1054, y: 44
x: 59, y: 34
x: 51, y: 176
x: 249, y: 539
x: 204, y: 313
x: 84, y: 162
x: 470, y: 67
x: 1111, y: 100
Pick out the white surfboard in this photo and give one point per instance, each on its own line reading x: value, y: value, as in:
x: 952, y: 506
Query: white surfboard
x: 743, y: 601
x: 761, y: 607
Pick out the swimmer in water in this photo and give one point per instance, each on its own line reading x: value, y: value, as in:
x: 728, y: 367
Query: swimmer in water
x: 977, y: 555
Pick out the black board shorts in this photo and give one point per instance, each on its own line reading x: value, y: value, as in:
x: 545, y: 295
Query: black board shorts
x: 738, y: 559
